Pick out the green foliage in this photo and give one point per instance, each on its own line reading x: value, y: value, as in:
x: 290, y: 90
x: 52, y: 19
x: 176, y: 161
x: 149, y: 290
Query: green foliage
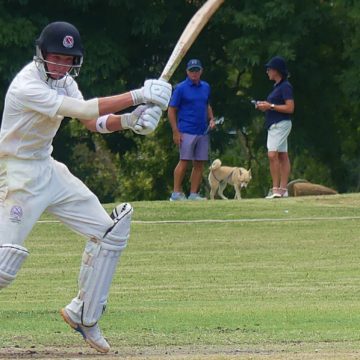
x: 98, y: 168
x: 306, y: 166
x: 88, y: 157
x: 127, y: 41
x: 146, y: 172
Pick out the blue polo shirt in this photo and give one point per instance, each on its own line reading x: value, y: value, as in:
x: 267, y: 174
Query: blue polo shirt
x: 191, y: 101
x: 281, y: 92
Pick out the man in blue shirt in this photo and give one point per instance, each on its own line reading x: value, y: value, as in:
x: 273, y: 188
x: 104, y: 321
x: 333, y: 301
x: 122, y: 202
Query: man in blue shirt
x: 190, y: 114
x: 278, y: 107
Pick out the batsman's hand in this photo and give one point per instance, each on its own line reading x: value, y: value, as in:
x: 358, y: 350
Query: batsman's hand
x: 149, y: 120
x: 154, y: 91
x: 143, y: 120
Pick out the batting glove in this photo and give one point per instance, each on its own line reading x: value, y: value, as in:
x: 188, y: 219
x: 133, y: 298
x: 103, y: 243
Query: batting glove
x: 154, y: 91
x: 143, y: 120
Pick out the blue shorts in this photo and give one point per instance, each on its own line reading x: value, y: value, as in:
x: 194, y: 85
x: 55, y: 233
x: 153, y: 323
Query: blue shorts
x: 194, y: 147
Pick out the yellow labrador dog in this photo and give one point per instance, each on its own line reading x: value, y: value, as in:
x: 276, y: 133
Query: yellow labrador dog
x: 220, y: 176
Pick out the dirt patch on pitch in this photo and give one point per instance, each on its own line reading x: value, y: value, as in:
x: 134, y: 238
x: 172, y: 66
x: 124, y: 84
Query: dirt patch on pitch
x: 177, y: 353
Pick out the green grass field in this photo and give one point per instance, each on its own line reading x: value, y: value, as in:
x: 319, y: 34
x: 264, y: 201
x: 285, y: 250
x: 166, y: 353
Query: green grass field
x: 251, y: 279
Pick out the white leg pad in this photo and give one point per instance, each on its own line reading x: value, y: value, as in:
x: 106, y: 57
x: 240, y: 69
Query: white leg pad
x: 11, y: 258
x: 98, y: 266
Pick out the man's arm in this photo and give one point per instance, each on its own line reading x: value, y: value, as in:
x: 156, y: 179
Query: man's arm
x: 287, y: 108
x: 156, y: 92
x: 113, y: 123
x: 172, y: 115
x: 211, y: 117
x: 146, y: 116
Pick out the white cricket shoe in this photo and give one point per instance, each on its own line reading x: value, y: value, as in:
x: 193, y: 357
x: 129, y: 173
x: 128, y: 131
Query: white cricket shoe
x: 91, y: 334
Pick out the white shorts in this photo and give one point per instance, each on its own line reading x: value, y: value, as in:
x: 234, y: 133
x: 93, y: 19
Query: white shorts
x: 30, y: 187
x: 277, y: 136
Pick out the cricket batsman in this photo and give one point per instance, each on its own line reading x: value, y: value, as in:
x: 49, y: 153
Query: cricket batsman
x: 31, y: 181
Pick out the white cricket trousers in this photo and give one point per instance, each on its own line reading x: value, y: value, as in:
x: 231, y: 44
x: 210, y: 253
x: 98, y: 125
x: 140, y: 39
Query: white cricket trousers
x: 30, y: 187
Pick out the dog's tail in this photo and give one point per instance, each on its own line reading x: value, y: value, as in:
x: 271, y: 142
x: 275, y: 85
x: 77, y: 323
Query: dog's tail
x: 215, y: 165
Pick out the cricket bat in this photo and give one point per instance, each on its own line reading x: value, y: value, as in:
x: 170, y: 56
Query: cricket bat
x: 187, y: 38
x: 189, y: 35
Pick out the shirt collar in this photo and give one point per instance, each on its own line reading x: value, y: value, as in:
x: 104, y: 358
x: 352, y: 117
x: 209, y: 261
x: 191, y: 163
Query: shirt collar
x: 191, y: 83
x: 280, y: 82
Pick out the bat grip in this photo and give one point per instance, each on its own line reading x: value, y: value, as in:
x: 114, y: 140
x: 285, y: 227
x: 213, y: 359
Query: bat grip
x: 164, y: 78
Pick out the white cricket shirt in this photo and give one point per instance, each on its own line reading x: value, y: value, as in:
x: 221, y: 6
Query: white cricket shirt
x: 29, y: 121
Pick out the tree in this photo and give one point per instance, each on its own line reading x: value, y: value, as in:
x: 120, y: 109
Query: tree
x: 127, y: 41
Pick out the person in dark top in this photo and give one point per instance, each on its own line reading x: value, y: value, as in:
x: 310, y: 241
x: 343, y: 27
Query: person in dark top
x: 278, y: 108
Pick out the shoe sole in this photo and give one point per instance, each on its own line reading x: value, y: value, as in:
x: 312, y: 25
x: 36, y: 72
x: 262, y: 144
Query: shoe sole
x: 275, y: 196
x: 77, y: 328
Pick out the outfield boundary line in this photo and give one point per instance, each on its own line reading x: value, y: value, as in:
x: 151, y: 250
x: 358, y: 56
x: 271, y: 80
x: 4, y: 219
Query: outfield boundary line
x: 207, y: 221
